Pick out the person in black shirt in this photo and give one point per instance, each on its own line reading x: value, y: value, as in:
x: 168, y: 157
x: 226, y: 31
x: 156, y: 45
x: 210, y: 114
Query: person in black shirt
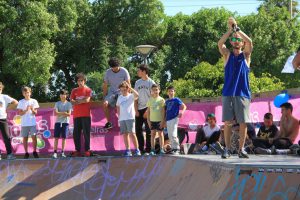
x: 266, y: 133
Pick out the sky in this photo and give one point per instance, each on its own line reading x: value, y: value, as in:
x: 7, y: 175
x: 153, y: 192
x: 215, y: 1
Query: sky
x: 242, y: 7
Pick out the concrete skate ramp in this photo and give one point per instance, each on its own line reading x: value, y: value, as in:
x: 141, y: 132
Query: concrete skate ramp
x: 163, y: 177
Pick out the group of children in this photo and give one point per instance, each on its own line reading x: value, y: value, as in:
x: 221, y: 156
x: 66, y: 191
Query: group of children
x: 27, y: 109
x: 160, y: 114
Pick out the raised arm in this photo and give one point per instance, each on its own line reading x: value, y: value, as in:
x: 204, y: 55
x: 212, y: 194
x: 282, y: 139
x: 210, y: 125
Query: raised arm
x: 135, y: 93
x: 248, y: 44
x: 221, y: 43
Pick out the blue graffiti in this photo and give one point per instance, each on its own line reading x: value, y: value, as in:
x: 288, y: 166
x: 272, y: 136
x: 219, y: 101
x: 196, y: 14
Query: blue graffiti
x: 241, y: 190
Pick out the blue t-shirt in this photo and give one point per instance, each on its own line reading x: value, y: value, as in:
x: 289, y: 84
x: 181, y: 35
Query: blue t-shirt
x: 237, y: 77
x: 172, y: 108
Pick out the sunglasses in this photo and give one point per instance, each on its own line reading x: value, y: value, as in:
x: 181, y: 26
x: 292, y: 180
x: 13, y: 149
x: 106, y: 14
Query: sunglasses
x: 234, y: 39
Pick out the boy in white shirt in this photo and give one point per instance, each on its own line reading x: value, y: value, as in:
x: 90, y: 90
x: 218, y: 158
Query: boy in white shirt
x: 27, y: 108
x: 5, y: 100
x: 126, y: 113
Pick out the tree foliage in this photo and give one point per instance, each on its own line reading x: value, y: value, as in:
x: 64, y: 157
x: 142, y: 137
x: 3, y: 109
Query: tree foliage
x: 206, y: 80
x: 45, y: 43
x: 26, y: 52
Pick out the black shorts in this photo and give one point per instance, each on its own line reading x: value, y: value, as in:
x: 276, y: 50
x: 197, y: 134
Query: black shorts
x: 156, y: 126
x: 61, y: 130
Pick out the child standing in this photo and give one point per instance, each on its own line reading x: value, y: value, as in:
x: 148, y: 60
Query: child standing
x: 173, y: 106
x: 126, y: 113
x: 156, y: 119
x: 62, y: 110
x: 80, y: 98
x: 5, y: 100
x: 27, y: 108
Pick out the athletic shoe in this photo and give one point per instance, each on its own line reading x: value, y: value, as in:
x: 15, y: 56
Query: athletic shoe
x: 63, y: 155
x: 161, y: 151
x: 11, y: 156
x: 88, y: 153
x: 0, y: 157
x: 264, y: 151
x: 108, y: 125
x: 146, y: 154
x: 175, y: 152
x: 243, y: 154
x: 137, y: 152
x: 26, y: 155
x: 54, y: 155
x: 217, y: 147
x: 128, y: 153
x: 283, y: 151
x: 152, y: 153
x: 201, y: 152
x: 35, y: 154
x: 225, y: 154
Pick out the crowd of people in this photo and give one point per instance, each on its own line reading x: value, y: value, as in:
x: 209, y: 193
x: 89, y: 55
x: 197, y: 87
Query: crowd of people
x: 142, y: 108
x: 136, y: 107
x: 269, y: 140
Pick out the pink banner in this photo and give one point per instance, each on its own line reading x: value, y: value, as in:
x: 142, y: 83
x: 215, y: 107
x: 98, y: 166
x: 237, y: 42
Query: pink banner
x: 104, y: 140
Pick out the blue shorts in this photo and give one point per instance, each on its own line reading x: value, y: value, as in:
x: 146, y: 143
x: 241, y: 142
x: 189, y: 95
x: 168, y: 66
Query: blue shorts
x: 61, y: 129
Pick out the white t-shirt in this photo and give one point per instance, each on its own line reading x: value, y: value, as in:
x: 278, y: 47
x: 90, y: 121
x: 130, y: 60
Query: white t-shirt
x: 4, y: 101
x: 28, y: 119
x: 143, y: 87
x: 209, y: 131
x: 126, y: 104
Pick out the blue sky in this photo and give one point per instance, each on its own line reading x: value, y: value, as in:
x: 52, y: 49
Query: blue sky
x: 242, y: 7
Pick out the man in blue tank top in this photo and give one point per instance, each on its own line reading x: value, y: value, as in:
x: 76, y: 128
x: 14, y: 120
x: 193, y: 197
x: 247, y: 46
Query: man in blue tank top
x: 236, y: 95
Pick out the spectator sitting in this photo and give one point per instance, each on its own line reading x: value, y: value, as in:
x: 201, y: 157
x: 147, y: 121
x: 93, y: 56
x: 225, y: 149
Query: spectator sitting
x: 266, y: 133
x: 289, y: 128
x: 234, y: 140
x: 208, y: 135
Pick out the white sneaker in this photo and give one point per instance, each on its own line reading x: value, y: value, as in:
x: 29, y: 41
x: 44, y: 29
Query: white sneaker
x: 0, y: 157
x: 54, y: 155
x: 11, y: 156
x: 63, y: 155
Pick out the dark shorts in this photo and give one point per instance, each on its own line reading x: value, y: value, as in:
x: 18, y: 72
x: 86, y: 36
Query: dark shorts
x: 155, y: 126
x: 61, y: 130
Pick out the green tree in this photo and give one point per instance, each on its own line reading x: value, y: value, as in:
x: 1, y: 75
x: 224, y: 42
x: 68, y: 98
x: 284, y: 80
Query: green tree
x: 189, y: 40
x: 94, y: 81
x: 26, y: 51
x: 270, y: 4
x: 275, y: 38
x: 69, y: 42
x: 206, y: 80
